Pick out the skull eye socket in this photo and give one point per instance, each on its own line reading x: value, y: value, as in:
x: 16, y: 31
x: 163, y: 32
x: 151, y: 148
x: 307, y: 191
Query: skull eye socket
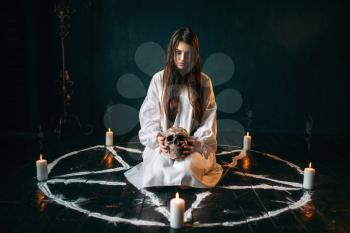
x: 181, y: 138
x: 170, y: 138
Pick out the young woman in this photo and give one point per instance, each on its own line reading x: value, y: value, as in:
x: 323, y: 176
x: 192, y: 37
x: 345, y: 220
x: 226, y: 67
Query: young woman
x: 178, y: 96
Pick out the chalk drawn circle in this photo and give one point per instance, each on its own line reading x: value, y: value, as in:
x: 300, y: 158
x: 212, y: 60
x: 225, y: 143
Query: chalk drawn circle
x: 85, y: 178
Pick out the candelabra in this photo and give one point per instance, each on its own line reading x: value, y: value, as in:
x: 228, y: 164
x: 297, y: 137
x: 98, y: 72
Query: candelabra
x: 65, y: 83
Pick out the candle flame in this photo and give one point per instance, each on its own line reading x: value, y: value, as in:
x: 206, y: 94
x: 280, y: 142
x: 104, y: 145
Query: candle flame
x: 109, y: 129
x: 41, y: 157
x: 177, y: 195
x: 310, y: 165
x: 247, y: 133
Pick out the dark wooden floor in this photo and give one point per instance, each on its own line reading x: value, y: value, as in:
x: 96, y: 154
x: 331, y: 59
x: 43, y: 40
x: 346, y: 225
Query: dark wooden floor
x: 253, y: 196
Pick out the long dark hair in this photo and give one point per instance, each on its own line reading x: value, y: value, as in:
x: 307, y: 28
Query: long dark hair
x: 173, y: 79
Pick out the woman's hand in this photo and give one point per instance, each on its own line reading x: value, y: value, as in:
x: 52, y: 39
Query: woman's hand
x: 162, y: 147
x: 191, y: 143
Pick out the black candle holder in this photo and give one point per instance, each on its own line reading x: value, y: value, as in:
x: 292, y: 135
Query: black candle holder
x: 67, y: 120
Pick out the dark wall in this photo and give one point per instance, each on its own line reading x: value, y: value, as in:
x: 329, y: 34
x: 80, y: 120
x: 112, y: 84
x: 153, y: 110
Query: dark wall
x: 290, y: 60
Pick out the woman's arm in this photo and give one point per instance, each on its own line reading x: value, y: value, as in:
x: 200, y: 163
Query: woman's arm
x: 150, y: 114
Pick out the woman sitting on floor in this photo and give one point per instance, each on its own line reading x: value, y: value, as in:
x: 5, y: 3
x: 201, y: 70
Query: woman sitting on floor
x: 179, y: 96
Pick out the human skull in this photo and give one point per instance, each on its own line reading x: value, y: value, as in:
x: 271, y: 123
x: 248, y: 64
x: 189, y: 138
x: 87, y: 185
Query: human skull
x: 175, y: 139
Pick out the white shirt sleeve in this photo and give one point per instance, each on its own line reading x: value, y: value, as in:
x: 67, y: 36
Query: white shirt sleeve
x: 150, y: 120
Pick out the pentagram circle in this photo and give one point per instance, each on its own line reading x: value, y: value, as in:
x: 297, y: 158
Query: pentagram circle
x: 91, y: 181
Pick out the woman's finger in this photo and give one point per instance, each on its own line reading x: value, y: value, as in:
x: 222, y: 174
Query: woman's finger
x: 164, y: 151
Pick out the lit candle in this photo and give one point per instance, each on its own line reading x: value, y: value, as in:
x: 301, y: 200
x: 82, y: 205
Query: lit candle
x: 247, y: 142
x: 41, y: 169
x: 177, y: 210
x: 109, y: 137
x: 309, y: 175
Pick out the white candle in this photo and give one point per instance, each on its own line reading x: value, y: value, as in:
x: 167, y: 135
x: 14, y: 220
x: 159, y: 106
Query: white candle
x: 309, y: 176
x: 177, y: 210
x: 41, y: 169
x: 109, y: 137
x: 247, y: 142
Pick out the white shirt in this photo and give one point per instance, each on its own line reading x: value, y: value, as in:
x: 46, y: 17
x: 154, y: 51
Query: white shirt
x: 199, y: 169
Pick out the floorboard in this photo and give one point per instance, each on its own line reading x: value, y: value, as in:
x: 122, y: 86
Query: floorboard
x: 259, y: 193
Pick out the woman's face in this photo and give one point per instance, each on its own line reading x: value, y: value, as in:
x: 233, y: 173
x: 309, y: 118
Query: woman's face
x: 184, y: 57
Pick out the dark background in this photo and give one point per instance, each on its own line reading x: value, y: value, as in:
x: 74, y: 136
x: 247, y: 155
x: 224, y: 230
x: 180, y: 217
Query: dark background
x: 291, y: 68
x: 291, y: 60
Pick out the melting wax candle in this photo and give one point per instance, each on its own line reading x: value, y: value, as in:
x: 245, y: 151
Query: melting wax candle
x: 309, y: 176
x: 109, y: 137
x: 247, y: 142
x: 177, y: 210
x: 41, y: 169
